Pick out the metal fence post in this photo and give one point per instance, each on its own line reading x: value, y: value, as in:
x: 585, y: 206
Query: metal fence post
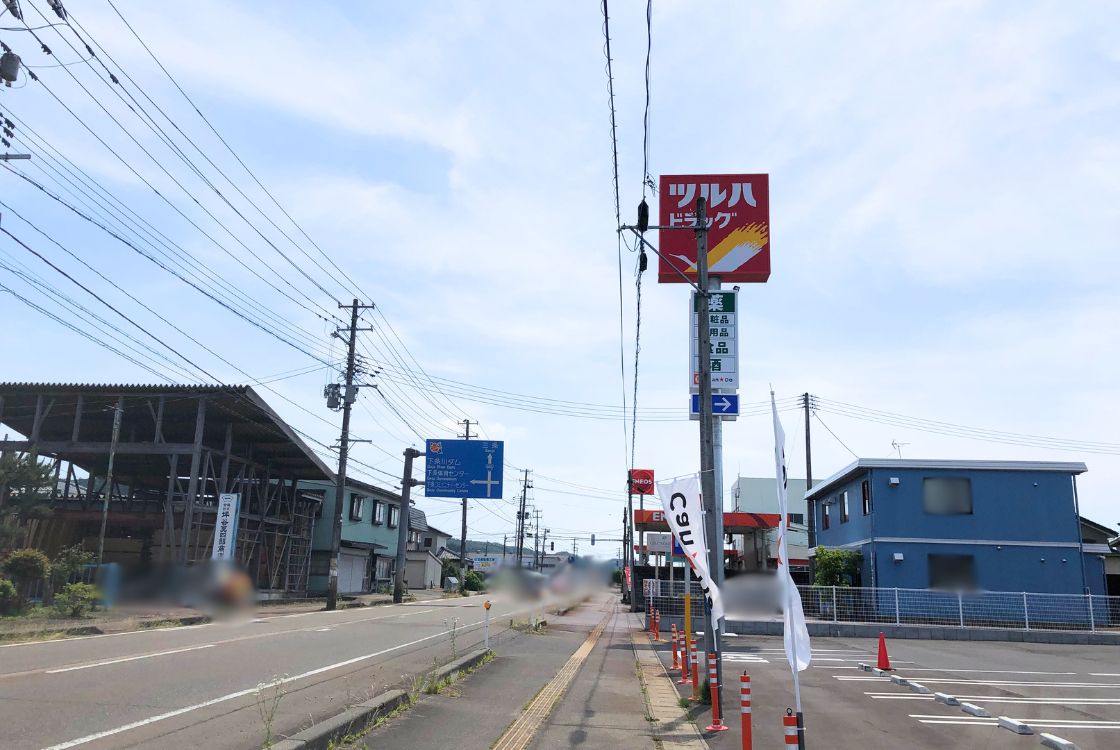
x: 960, y: 607
x: 1092, y: 619
x: 1026, y: 613
x: 835, y: 612
x: 897, y: 614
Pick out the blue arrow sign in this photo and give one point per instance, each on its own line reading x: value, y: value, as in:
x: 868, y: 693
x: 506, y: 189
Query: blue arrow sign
x: 723, y: 404
x: 463, y: 468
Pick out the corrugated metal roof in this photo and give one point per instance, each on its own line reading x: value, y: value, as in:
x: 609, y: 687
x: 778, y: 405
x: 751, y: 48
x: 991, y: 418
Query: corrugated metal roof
x: 862, y: 464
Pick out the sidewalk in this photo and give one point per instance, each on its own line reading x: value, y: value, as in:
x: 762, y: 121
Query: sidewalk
x: 602, y: 707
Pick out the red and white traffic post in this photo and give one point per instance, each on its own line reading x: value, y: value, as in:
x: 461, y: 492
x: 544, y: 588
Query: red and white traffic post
x: 745, y: 710
x: 695, y: 673
x: 717, y: 724
x: 676, y: 660
x: 789, y: 725
x: 685, y: 661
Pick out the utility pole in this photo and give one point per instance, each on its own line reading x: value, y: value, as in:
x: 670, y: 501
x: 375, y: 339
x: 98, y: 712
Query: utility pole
x: 348, y: 397
x: 403, y: 518
x: 504, y: 538
x: 810, y: 514
x: 521, y: 517
x: 463, y: 536
x: 536, y: 539
x: 118, y: 411
x: 712, y: 503
x: 628, y: 535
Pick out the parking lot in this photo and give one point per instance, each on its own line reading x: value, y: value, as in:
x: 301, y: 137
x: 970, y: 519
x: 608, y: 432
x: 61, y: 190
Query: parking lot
x: 1072, y: 692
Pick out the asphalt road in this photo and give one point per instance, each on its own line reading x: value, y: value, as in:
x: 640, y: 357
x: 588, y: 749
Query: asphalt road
x: 200, y: 685
x: 1072, y: 692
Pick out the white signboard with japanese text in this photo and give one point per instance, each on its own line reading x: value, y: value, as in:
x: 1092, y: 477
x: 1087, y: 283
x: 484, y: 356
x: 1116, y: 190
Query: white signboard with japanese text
x: 658, y: 542
x: 225, y: 527
x: 723, y: 328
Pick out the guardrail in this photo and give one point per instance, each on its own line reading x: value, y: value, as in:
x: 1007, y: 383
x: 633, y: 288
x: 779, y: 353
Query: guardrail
x: 1012, y: 610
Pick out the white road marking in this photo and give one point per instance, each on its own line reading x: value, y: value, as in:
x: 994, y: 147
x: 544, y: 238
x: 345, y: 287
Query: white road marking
x: 991, y: 683
x: 1104, y: 674
x: 127, y: 658
x: 109, y: 635
x: 988, y: 671
x: 1072, y: 701
x: 745, y: 658
x: 1036, y: 723
x: 249, y: 691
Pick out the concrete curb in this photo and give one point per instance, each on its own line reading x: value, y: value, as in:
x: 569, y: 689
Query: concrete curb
x: 1057, y: 742
x: 948, y: 700
x: 918, y: 687
x: 1014, y: 725
x: 898, y: 679
x: 319, y: 736
x: 974, y: 710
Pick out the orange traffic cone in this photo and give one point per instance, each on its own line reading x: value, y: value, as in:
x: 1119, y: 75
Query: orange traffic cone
x: 884, y: 660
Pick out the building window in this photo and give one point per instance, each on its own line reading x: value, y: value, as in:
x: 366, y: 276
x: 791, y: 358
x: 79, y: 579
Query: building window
x: 427, y: 542
x: 357, y: 504
x: 947, y: 496
x: 394, y: 512
x: 824, y: 517
x: 957, y: 572
x: 378, y: 513
x: 843, y: 507
x: 798, y: 518
x: 866, y: 486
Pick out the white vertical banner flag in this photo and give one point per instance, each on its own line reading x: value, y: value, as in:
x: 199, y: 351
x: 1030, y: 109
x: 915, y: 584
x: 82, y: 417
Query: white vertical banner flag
x: 680, y: 499
x: 798, y: 650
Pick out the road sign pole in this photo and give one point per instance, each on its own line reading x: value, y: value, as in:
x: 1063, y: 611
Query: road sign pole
x: 713, y: 507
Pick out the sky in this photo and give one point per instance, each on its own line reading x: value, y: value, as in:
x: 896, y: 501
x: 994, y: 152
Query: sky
x: 944, y: 183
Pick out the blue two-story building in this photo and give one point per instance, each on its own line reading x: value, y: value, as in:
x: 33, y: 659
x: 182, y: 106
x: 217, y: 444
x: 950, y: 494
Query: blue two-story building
x: 959, y: 525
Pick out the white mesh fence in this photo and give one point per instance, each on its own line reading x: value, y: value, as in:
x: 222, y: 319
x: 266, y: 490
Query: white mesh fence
x: 1017, y: 610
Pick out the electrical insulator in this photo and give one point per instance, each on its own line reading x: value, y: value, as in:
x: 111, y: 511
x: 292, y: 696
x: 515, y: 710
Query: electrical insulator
x: 643, y: 216
x: 9, y: 67
x: 56, y: 6
x: 643, y: 262
x: 592, y: 540
x: 13, y: 8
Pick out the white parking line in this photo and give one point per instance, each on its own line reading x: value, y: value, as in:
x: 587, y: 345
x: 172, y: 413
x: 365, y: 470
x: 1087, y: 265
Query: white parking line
x: 1036, y: 723
x: 990, y: 671
x: 1061, y: 701
x: 991, y: 683
x: 127, y: 658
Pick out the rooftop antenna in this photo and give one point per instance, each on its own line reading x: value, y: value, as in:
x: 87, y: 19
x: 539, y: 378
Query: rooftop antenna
x: 898, y: 447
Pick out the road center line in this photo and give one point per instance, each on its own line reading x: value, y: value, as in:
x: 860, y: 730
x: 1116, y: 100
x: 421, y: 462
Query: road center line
x: 128, y: 658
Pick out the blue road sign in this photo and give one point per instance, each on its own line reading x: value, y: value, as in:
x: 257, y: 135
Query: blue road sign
x: 723, y: 404
x: 463, y: 468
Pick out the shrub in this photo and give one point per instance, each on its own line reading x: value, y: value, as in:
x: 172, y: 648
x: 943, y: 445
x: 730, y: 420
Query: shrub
x: 8, y: 597
x: 26, y: 566
x: 473, y: 581
x: 76, y: 599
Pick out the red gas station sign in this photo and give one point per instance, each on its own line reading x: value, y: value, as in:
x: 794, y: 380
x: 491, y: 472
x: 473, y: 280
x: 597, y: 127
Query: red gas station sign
x: 738, y: 226
x: 641, y: 481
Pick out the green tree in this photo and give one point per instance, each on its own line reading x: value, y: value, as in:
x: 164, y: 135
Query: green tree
x: 837, y: 567
x: 66, y: 565
x: 24, y: 491
x: 25, y: 566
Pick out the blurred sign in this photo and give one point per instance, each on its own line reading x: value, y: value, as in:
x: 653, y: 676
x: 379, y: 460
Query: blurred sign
x: 641, y: 481
x: 658, y: 542
x: 484, y: 563
x: 463, y: 468
x: 738, y: 226
x: 225, y: 528
x: 722, y: 321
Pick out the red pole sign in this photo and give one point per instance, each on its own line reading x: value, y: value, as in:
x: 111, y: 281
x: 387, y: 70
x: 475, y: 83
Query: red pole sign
x: 738, y: 230
x: 641, y: 481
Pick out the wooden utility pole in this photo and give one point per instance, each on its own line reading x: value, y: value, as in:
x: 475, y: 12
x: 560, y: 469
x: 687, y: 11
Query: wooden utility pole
x: 349, y: 395
x: 118, y: 412
x: 810, y: 516
x: 525, y: 487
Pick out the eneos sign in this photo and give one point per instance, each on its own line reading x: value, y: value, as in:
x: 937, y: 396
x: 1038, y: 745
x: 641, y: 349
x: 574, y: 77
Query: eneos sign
x: 641, y: 481
x: 738, y: 226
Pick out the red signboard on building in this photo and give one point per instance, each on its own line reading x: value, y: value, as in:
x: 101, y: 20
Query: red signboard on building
x: 641, y: 481
x: 738, y: 226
